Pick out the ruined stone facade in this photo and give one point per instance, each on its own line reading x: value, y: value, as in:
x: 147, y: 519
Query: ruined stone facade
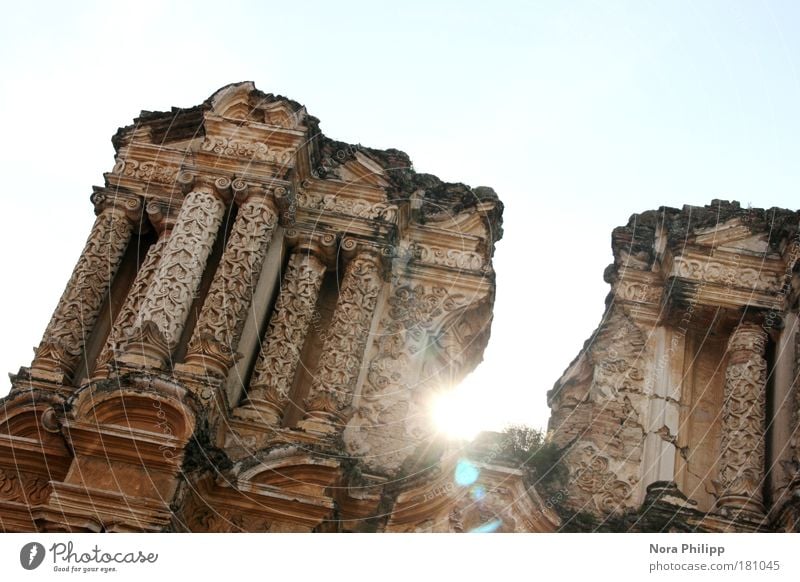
x: 681, y: 411
x: 251, y: 337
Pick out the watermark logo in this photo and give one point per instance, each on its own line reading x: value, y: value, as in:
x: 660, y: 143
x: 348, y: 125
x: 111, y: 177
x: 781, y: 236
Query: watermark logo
x: 31, y: 555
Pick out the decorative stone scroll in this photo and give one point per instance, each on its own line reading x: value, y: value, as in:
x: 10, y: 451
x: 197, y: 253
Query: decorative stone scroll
x: 219, y: 328
x: 453, y: 258
x: 345, y: 340
x: 742, y: 459
x: 280, y: 354
x: 411, y: 315
x: 75, y: 316
x: 249, y: 150
x: 382, y: 211
x: 146, y: 171
x: 23, y: 488
x: 179, y: 272
x: 711, y: 271
x: 592, y: 475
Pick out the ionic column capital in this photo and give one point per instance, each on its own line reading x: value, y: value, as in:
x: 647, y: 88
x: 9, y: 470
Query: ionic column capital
x: 244, y: 192
x: 279, y: 197
x: 219, y: 186
x: 352, y: 249
x: 124, y: 204
x: 321, y: 244
x: 162, y: 215
x: 748, y: 338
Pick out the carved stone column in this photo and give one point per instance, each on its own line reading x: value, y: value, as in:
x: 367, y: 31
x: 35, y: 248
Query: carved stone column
x: 742, y: 459
x: 166, y: 305
x: 344, y: 342
x: 212, y: 348
x: 75, y: 316
x: 280, y: 353
x: 163, y: 222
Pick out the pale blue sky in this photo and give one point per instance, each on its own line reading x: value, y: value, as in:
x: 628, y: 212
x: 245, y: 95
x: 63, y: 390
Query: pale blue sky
x: 577, y: 113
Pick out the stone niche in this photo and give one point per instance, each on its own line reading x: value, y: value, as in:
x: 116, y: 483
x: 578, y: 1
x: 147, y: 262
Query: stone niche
x: 251, y: 338
x: 681, y: 411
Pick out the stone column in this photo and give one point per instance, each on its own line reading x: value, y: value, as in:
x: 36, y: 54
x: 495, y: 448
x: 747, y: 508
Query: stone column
x: 741, y: 475
x: 163, y: 222
x: 344, y: 341
x: 166, y: 305
x: 212, y: 349
x: 294, y: 310
x: 794, y: 443
x: 792, y: 466
x: 662, y: 421
x: 75, y: 316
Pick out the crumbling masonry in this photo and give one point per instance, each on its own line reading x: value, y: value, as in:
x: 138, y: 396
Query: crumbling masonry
x: 251, y: 337
x: 681, y: 411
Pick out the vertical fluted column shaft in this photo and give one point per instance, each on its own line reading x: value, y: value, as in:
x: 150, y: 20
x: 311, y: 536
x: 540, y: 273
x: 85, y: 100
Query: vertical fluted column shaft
x: 126, y: 318
x: 345, y: 339
x: 742, y: 459
x: 78, y: 309
x: 165, y: 307
x: 212, y: 348
x: 280, y: 353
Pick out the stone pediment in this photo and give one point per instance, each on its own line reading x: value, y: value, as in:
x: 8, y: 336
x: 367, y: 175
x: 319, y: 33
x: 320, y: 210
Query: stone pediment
x: 243, y: 102
x: 363, y: 170
x: 733, y: 235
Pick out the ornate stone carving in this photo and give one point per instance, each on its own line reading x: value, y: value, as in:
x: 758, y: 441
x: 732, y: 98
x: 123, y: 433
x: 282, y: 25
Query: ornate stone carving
x: 712, y: 271
x: 249, y: 150
x: 79, y: 307
x: 592, y: 475
x: 10, y: 488
x: 181, y: 267
x: 794, y: 441
x: 454, y: 258
x: 222, y: 318
x: 742, y: 457
x: 416, y: 308
x: 23, y: 488
x: 345, y: 339
x: 280, y: 353
x: 638, y: 292
x: 130, y: 309
x: 413, y: 311
x: 146, y: 171
x: 378, y: 211
x: 129, y: 461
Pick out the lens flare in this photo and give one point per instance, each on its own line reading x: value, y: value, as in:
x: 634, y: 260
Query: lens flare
x: 466, y: 473
x: 488, y: 527
x: 477, y: 493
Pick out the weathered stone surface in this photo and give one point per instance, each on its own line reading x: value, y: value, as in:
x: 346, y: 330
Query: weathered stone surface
x: 662, y: 418
x: 262, y: 314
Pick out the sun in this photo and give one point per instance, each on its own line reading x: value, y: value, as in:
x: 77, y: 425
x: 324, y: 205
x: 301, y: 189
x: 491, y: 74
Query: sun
x: 457, y: 413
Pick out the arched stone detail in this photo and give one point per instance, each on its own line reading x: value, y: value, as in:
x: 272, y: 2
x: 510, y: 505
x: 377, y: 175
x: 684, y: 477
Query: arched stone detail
x: 135, y: 409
